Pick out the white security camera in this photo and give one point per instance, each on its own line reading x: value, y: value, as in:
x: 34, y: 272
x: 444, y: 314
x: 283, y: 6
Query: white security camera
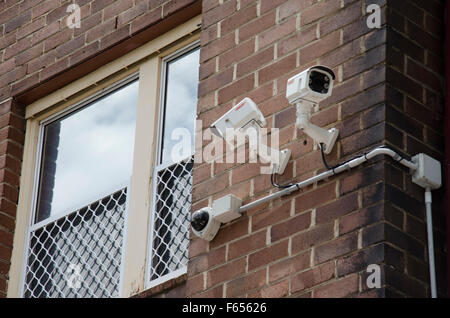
x: 204, y: 225
x: 306, y: 90
x: 239, y: 120
x: 244, y: 115
x: 314, y: 85
x: 206, y: 221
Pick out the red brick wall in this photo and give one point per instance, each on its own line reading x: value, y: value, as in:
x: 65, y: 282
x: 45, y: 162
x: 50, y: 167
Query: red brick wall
x: 314, y: 243
x: 414, y: 113
x: 39, y: 54
x: 319, y: 242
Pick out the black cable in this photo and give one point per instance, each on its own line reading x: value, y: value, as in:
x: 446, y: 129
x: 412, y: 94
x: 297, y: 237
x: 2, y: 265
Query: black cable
x: 276, y: 185
x: 325, y: 163
x: 324, y: 160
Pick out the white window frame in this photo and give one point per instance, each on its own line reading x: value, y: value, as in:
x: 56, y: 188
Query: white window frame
x: 145, y: 60
x: 33, y: 225
x: 159, y: 167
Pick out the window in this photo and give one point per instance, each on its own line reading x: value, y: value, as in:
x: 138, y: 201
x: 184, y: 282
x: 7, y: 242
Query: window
x: 108, y: 212
x: 76, y: 241
x: 172, y: 186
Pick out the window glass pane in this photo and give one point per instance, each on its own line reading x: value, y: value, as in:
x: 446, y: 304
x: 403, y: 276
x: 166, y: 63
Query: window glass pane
x: 88, y: 154
x: 180, y: 106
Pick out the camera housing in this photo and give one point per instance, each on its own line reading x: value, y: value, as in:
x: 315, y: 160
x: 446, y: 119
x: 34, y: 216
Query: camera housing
x: 206, y: 222
x: 204, y: 225
x: 244, y: 115
x: 314, y: 84
x: 239, y: 120
x: 306, y: 90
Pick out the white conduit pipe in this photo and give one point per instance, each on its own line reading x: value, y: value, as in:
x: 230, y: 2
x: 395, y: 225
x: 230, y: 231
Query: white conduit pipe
x: 329, y: 173
x: 428, y: 204
x: 352, y: 164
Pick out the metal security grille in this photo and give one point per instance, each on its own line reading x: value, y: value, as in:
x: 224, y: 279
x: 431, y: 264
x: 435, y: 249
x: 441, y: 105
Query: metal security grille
x: 170, y: 220
x: 79, y: 254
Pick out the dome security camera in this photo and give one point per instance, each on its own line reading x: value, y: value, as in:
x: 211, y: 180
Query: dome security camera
x: 206, y: 222
x: 204, y: 225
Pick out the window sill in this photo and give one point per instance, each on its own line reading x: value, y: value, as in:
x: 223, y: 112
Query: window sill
x: 161, y: 288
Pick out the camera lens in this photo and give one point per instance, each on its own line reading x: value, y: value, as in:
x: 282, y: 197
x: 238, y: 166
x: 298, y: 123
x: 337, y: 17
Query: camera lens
x: 319, y: 82
x: 200, y: 220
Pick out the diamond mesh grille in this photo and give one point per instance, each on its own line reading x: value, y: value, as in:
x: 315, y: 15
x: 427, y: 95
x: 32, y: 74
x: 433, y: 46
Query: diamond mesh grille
x: 171, y: 215
x: 78, y: 255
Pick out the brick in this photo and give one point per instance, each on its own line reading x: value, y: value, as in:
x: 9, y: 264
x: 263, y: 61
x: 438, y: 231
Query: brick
x: 206, y: 261
x: 242, y: 285
x: 146, y: 20
x: 7, y: 15
x: 42, y: 8
x: 18, y: 21
x: 309, y: 163
x: 85, y: 52
x: 271, y: 216
x: 54, y: 69
x: 29, y: 54
x: 360, y: 261
x: 209, y: 4
x: 69, y: 47
x: 290, y: 227
x: 280, y: 31
x: 217, y: 47
x: 58, y: 39
x: 364, y: 62
x: 194, y: 285
x: 256, y: 26
x: 219, y: 13
x: 20, y: 46
x: 423, y: 75
x: 338, y: 208
x: 343, y: 17
x: 236, y: 54
x: 338, y: 289
x: 57, y: 15
x: 237, y: 88
x: 239, y: 18
x: 268, y: 5
x: 312, y: 277
x: 100, y: 31
x: 335, y: 248
x: 315, y: 198
x: 129, y: 15
x: 290, y: 266
x: 7, y: 66
x: 278, y: 290
x: 247, y: 244
x: 175, y: 5
x: 361, y: 218
x: 214, y: 82
x: 277, y: 69
x: 30, y: 28
x: 319, y: 10
x: 314, y: 236
x: 297, y: 40
x: 319, y: 48
x: 225, y: 272
x: 293, y: 7
x: 45, y: 32
x: 268, y: 255
x: 114, y: 37
x: 98, y: 5
x: 116, y: 8
x: 231, y: 232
